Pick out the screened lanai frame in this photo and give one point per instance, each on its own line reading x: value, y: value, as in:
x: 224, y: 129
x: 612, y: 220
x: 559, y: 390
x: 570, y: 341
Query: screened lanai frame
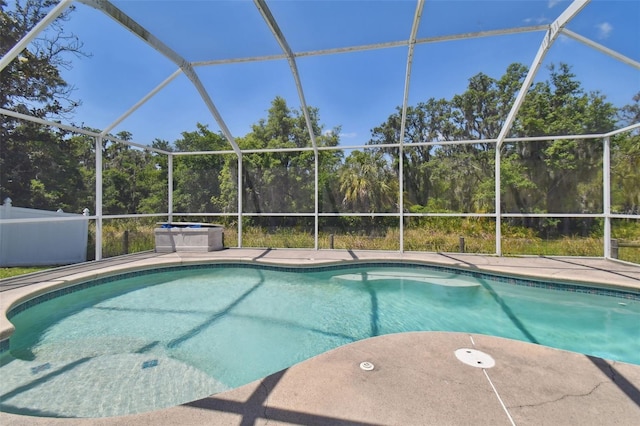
x: 551, y: 33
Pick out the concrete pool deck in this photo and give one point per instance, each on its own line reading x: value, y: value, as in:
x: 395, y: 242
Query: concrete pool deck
x: 417, y: 379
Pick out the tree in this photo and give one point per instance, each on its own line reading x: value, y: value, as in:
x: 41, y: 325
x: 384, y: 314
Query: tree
x: 368, y: 183
x: 424, y: 123
x: 32, y: 84
x: 155, y: 180
x: 560, y: 175
x: 625, y: 163
x: 452, y: 177
x: 123, y: 167
x: 196, y: 177
x: 281, y: 182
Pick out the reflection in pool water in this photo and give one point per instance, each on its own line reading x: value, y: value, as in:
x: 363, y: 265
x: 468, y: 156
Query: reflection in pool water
x: 161, y: 339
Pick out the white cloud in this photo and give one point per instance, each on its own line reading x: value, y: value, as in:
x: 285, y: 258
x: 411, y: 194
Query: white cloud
x: 349, y: 135
x: 552, y: 3
x: 537, y: 21
x: 604, y: 29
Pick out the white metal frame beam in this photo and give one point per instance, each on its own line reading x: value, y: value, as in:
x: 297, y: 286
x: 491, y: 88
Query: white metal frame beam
x: 606, y: 195
x: 603, y: 49
x: 141, y: 102
x: 552, y: 32
x: 99, y: 195
x: 284, y: 45
x: 170, y: 158
x: 10, y: 113
x: 282, y: 41
x: 28, y: 38
x: 551, y: 35
x: 403, y: 121
x: 376, y: 46
x: 119, y: 16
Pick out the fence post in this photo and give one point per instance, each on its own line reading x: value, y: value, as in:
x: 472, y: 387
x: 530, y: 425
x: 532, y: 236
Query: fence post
x: 331, y: 241
x: 461, y: 243
x: 7, y: 206
x: 614, y: 248
x: 125, y: 242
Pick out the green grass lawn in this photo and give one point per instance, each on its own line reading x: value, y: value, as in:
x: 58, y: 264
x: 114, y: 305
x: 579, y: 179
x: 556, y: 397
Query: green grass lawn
x: 18, y: 270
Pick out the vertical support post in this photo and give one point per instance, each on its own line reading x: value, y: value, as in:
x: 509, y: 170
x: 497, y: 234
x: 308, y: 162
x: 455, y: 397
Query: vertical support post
x: 125, y: 241
x: 7, y: 207
x: 461, y: 244
x: 316, y: 218
x: 403, y: 122
x: 614, y: 248
x: 606, y: 196
x: 170, y: 188
x: 498, y: 203
x: 401, y: 195
x: 98, y: 198
x: 552, y: 34
x: 239, y: 191
x: 331, y: 241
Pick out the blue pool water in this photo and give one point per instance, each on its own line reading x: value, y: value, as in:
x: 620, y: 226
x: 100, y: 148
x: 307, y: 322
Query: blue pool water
x: 162, y: 339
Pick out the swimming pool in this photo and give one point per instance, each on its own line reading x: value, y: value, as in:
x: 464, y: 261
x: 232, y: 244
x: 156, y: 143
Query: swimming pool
x: 153, y: 339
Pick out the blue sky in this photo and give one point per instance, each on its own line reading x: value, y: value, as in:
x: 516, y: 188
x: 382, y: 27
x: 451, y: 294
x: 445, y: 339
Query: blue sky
x: 356, y: 91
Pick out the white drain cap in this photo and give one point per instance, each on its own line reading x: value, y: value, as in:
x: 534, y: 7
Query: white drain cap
x: 366, y: 366
x: 475, y: 358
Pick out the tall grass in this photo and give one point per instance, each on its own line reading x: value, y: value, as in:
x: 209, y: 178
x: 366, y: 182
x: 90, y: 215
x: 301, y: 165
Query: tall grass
x: 265, y: 238
x: 565, y: 246
x: 432, y: 235
x: 123, y: 236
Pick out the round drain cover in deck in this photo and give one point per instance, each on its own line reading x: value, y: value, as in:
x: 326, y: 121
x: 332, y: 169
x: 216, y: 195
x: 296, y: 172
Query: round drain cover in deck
x: 366, y: 366
x: 475, y: 358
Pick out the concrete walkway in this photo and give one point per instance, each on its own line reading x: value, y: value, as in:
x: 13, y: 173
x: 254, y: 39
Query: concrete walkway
x: 417, y: 378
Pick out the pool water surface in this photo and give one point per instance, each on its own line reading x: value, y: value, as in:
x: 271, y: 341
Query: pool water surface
x: 162, y: 339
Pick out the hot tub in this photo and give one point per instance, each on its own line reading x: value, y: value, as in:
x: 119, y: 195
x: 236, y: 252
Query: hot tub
x: 187, y: 236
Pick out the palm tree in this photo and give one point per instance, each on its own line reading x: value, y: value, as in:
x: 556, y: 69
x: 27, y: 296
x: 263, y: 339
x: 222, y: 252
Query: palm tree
x: 368, y: 183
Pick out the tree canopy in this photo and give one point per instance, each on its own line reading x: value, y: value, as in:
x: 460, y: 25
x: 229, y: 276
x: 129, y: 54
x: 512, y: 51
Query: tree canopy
x: 37, y: 163
x: 48, y: 168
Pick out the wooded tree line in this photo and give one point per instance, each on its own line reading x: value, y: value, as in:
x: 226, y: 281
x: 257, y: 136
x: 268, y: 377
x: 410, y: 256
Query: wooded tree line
x: 49, y: 168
